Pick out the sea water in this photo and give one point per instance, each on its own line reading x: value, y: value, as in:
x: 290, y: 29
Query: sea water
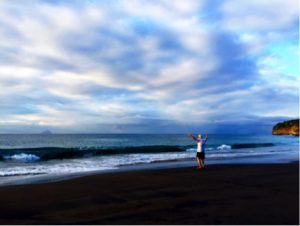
x: 31, y: 155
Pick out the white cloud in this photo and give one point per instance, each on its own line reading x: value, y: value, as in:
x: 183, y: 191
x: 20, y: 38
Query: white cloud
x: 257, y: 23
x: 260, y: 15
x: 129, y: 60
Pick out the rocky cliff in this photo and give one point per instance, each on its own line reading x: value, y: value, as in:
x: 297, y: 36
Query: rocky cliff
x: 290, y: 127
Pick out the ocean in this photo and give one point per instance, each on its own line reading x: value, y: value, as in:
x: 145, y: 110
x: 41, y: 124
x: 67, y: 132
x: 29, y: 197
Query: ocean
x: 63, y: 154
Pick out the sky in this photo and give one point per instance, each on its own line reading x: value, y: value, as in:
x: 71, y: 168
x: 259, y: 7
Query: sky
x: 139, y: 66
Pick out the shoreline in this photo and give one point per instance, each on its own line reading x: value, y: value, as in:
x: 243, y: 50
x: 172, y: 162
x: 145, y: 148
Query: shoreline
x: 157, y: 165
x: 220, y: 194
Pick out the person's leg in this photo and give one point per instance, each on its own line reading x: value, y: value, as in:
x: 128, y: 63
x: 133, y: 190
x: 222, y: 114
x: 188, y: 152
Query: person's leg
x: 199, y: 162
x: 202, y: 159
x: 202, y: 163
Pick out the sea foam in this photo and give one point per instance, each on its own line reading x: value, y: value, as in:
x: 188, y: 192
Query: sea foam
x: 224, y: 147
x: 23, y: 157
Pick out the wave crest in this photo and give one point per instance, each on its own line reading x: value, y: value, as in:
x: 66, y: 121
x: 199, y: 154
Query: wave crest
x: 224, y: 147
x: 50, y: 153
x: 23, y: 157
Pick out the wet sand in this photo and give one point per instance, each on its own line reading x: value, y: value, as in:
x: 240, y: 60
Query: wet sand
x: 220, y: 194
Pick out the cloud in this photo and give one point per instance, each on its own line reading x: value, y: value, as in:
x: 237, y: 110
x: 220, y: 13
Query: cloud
x: 143, y: 66
x: 260, y: 15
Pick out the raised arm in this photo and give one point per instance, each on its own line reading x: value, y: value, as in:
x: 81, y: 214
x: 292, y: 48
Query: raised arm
x: 206, y: 137
x: 191, y: 136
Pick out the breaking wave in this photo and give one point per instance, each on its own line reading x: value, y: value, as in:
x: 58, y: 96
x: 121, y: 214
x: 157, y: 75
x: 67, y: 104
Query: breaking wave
x: 51, y: 153
x: 22, y: 157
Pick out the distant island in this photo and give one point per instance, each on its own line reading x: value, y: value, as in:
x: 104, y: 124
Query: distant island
x: 290, y: 127
x: 46, y: 132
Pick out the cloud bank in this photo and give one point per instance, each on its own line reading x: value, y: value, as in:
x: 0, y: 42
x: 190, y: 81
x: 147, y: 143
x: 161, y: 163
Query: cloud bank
x: 148, y: 66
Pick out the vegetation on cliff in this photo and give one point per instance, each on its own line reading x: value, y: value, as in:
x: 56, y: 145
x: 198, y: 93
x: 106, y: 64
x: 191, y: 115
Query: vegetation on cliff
x: 290, y: 127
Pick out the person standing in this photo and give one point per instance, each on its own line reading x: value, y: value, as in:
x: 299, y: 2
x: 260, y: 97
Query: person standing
x: 200, y: 149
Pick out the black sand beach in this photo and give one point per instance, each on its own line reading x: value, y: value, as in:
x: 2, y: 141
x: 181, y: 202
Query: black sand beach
x: 220, y: 194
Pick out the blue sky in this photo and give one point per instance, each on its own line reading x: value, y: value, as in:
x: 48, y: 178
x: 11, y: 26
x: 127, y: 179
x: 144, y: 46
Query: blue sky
x: 137, y: 66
